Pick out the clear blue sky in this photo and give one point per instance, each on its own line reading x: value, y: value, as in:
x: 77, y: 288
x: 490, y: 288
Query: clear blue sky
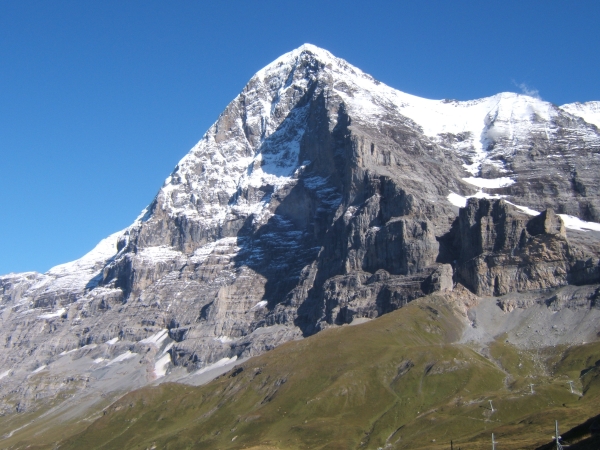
x: 100, y: 99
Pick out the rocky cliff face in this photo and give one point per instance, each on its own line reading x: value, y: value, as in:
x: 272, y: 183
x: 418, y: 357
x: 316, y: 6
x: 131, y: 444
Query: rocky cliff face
x: 502, y: 250
x: 320, y: 196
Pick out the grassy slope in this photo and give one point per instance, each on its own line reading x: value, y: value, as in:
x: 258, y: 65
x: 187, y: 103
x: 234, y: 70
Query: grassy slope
x: 400, y: 381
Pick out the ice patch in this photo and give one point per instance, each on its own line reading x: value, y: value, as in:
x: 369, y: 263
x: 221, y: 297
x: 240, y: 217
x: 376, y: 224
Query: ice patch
x: 58, y: 313
x: 220, y: 363
x: 122, y: 357
x: 156, y: 339
x: 457, y: 200
x: 259, y: 305
x: 489, y: 183
x: 575, y: 223
x: 160, y: 367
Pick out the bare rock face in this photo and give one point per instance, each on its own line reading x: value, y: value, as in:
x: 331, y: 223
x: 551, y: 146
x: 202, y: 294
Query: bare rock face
x: 320, y: 196
x: 547, y: 223
x: 503, y: 250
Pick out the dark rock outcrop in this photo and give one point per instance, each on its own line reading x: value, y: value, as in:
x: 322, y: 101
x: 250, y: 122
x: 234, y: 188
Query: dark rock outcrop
x: 503, y: 250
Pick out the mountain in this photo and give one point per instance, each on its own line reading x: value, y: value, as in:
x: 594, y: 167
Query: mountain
x: 320, y: 197
x: 406, y: 380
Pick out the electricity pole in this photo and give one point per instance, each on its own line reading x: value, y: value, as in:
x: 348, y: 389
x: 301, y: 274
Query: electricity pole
x: 557, y: 436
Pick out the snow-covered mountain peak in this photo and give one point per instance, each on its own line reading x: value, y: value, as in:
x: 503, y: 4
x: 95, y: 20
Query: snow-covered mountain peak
x: 288, y: 60
x: 588, y: 111
x: 254, y: 146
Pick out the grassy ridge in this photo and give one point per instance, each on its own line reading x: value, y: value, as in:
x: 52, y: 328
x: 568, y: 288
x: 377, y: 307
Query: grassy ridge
x: 401, y: 381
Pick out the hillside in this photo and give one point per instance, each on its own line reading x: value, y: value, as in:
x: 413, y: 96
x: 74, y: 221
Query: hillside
x: 405, y: 380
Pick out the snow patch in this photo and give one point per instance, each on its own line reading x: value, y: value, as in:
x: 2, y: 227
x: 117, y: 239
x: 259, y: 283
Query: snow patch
x: 58, y: 313
x: 220, y: 363
x: 156, y: 339
x: 4, y: 374
x: 98, y: 360
x: 457, y: 200
x: 112, y: 341
x: 575, y: 223
x: 127, y: 355
x: 63, y: 353
x: 525, y: 209
x: 259, y: 305
x: 489, y: 183
x: 160, y: 367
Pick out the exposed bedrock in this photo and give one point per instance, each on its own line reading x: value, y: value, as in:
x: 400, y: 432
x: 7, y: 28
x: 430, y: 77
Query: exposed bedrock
x: 500, y: 250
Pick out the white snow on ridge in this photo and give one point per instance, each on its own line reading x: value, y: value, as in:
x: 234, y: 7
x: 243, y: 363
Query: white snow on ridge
x: 104, y: 250
x: 112, y: 341
x: 479, y: 122
x: 525, y: 209
x: 571, y: 222
x: 76, y: 275
x: 489, y: 183
x: 589, y: 111
x: 4, y: 374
